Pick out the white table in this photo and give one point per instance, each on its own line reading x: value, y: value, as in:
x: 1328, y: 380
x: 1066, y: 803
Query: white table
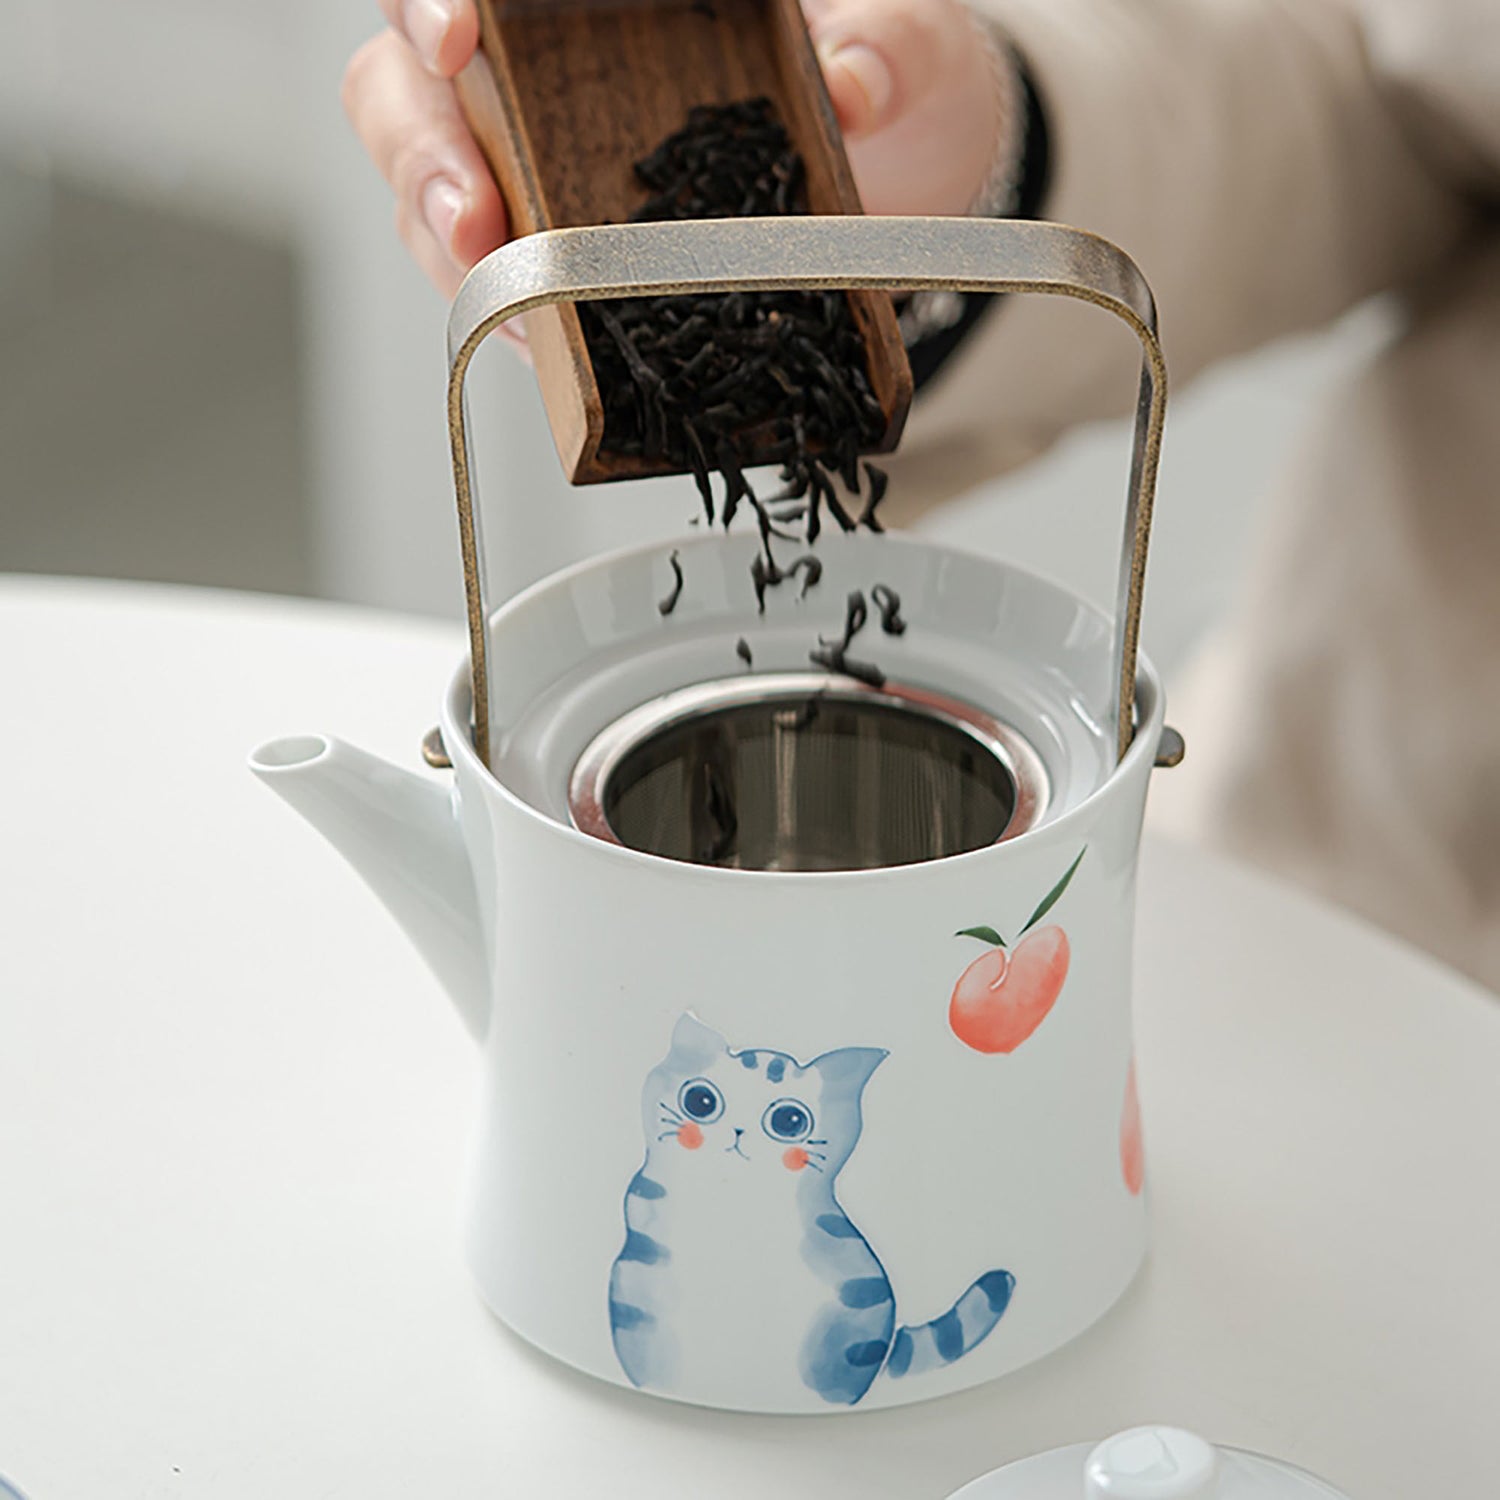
x: 233, y: 1106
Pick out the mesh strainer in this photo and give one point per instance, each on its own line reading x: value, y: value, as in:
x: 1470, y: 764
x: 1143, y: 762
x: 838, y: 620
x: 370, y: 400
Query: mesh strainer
x: 798, y: 771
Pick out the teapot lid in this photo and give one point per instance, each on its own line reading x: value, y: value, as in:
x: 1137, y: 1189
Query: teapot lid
x: 1148, y: 1463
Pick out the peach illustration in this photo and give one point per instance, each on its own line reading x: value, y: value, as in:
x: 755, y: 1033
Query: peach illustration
x: 1000, y: 1000
x: 1132, y: 1148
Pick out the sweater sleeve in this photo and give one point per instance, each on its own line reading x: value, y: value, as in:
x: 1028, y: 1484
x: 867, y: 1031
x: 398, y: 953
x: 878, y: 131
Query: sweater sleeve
x: 1247, y: 154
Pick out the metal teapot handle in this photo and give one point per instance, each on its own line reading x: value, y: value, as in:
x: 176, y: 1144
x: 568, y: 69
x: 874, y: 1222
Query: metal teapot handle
x: 811, y: 254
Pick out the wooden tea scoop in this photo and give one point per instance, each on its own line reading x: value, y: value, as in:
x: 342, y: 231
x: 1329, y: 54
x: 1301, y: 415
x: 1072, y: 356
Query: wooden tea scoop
x: 565, y: 97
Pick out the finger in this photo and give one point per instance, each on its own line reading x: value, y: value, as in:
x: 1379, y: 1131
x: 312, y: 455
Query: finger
x: 880, y: 57
x: 431, y: 256
x: 411, y: 125
x: 443, y: 33
x: 433, y: 260
x: 914, y: 85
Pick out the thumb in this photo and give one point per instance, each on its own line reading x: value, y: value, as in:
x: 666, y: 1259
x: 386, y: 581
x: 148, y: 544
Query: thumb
x: 914, y: 85
x: 883, y: 58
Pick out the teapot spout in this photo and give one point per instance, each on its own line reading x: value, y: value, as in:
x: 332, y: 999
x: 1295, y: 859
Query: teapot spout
x: 400, y: 832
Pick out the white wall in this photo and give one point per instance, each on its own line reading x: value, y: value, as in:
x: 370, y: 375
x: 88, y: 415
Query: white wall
x: 194, y: 106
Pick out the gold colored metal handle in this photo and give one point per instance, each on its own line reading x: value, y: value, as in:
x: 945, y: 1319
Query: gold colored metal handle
x: 811, y: 254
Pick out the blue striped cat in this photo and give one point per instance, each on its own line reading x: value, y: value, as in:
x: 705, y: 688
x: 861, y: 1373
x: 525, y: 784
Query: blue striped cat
x: 735, y: 1240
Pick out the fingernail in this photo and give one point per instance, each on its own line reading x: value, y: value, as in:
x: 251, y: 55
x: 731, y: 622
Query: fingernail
x: 426, y: 23
x: 869, y: 71
x: 442, y: 203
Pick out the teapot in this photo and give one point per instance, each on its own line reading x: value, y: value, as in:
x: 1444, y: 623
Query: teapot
x: 804, y: 1001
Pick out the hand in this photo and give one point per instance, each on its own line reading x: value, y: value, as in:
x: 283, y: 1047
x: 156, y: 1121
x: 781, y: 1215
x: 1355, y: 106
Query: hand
x: 911, y: 81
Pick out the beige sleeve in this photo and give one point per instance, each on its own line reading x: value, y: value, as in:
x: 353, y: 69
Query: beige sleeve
x: 1248, y: 157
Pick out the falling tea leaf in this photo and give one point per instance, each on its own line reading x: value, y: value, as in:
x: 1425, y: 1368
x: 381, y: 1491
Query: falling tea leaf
x: 666, y: 606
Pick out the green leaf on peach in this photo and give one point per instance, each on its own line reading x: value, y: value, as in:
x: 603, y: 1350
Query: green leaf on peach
x: 984, y: 934
x: 1055, y: 894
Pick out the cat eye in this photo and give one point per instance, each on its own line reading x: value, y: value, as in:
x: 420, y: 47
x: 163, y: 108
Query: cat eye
x: 787, y: 1120
x: 700, y: 1100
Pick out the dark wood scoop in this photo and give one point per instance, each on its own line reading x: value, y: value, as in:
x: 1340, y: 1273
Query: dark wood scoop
x: 565, y: 97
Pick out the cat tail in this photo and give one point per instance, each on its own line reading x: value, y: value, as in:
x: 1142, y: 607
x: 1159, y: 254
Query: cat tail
x: 965, y: 1325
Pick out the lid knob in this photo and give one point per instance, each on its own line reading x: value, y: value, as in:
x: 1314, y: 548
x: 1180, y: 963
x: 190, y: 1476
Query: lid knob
x: 1152, y: 1463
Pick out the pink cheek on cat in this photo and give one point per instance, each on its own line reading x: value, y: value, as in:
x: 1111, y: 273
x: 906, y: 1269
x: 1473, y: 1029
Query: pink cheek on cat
x: 689, y: 1136
x: 794, y: 1159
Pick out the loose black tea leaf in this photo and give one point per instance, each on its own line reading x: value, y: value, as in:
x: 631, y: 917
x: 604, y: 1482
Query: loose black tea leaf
x: 834, y: 654
x: 721, y: 382
x: 856, y: 612
x: 742, y: 650
x: 811, y: 569
x: 888, y: 602
x: 803, y: 716
x: 667, y: 605
x: 764, y: 574
x: 879, y: 480
x: 715, y: 821
x: 835, y: 660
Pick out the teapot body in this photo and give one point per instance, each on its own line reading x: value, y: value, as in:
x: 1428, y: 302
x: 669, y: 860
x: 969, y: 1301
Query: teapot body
x: 798, y: 1141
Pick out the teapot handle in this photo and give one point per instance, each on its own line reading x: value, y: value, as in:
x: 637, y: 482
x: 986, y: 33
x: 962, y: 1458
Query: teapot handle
x: 811, y: 254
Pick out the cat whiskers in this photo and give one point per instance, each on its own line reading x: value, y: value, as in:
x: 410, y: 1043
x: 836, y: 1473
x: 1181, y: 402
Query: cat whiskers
x: 673, y: 1111
x: 667, y: 1135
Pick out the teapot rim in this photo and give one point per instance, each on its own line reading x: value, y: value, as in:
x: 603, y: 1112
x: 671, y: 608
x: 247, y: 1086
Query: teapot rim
x: 1150, y: 709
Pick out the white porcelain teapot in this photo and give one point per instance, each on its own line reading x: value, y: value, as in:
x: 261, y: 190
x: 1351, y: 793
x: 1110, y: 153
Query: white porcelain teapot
x: 828, y: 1103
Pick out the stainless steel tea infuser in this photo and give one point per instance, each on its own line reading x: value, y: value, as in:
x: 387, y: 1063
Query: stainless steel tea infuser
x: 789, y: 771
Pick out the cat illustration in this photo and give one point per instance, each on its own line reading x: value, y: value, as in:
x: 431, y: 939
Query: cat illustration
x: 742, y: 1281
